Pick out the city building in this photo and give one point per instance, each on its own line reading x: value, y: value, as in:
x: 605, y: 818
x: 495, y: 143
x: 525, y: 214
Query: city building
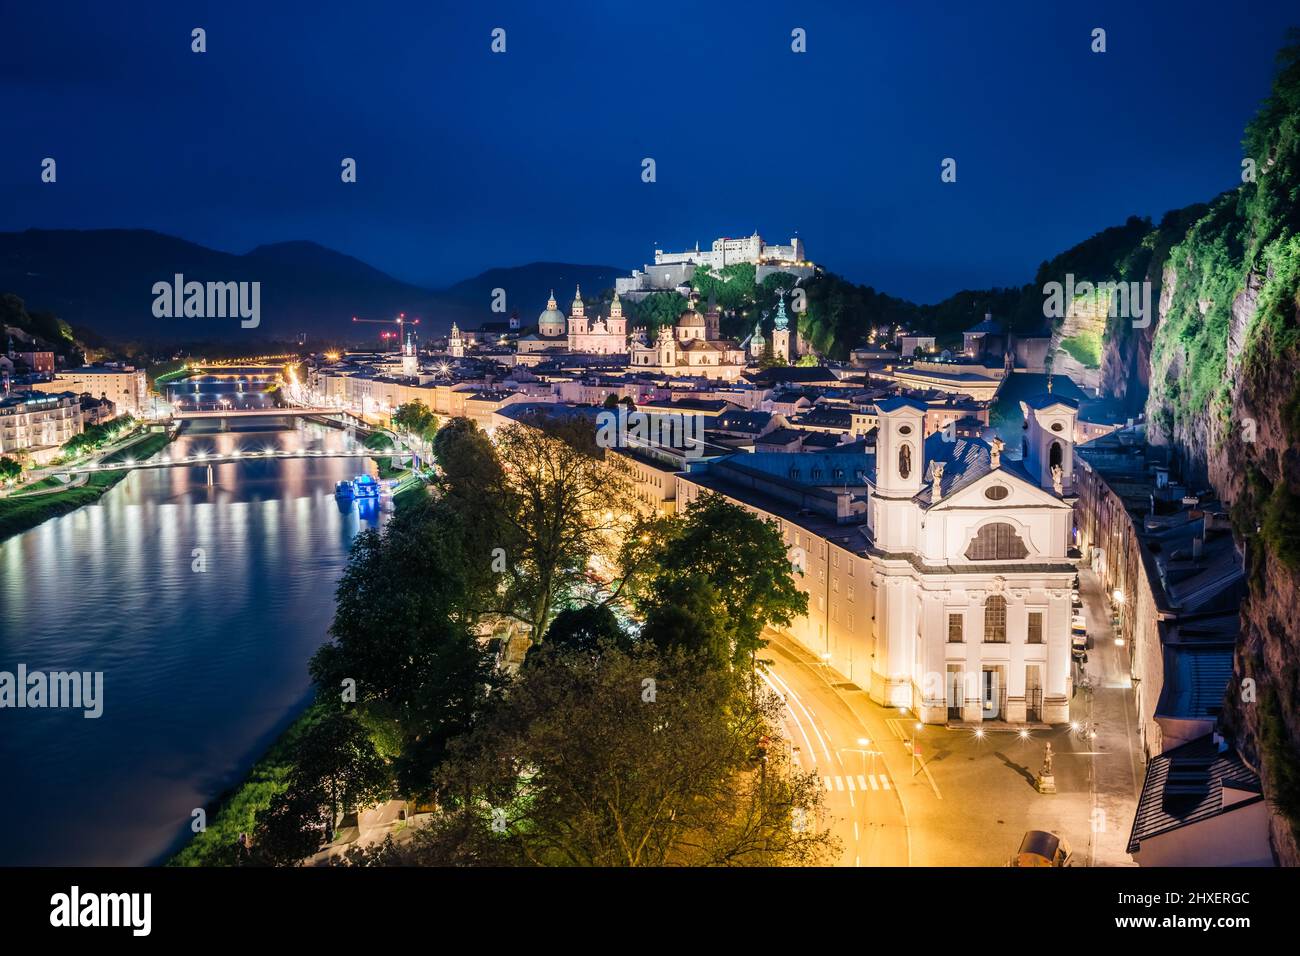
x: 1166, y: 557
x: 123, y: 385
x: 1200, y: 806
x: 691, y: 348
x: 35, y: 425
x: 674, y: 270
x: 937, y: 572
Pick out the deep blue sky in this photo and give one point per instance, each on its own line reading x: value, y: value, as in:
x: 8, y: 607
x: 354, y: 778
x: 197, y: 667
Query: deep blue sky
x: 469, y: 160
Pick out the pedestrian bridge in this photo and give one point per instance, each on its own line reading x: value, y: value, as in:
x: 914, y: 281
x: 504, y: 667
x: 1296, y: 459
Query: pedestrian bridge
x: 253, y: 412
x: 201, y: 459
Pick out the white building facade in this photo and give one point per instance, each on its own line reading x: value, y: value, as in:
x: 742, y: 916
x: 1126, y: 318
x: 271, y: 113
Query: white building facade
x: 936, y: 572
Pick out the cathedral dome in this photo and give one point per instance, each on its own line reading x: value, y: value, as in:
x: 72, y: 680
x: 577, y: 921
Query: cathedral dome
x: 690, y: 319
x: 552, y: 321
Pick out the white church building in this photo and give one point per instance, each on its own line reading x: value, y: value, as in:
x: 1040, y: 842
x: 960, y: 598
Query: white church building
x: 936, y: 570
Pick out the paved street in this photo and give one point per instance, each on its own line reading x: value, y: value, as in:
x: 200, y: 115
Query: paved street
x: 970, y: 799
x: 825, y: 723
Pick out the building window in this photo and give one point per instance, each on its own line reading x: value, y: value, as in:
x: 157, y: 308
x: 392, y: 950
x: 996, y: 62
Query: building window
x: 995, y: 619
x: 905, y: 461
x: 954, y: 629
x: 995, y: 542
x: 1035, y: 632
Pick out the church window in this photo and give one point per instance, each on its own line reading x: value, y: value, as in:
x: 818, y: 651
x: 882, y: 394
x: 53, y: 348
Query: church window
x: 905, y: 461
x: 995, y: 619
x: 996, y: 542
x: 954, y: 629
x: 1054, y: 456
x: 1035, y: 631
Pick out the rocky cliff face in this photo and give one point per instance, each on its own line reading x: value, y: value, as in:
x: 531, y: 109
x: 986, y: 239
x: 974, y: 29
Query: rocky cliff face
x: 1225, y: 394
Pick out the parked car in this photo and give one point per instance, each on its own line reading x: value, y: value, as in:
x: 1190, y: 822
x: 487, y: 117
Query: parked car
x: 1040, y: 848
x: 1078, y: 637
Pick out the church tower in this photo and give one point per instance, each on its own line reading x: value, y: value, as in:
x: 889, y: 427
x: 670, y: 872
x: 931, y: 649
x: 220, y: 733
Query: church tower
x: 667, y: 347
x: 781, y: 333
x: 578, y: 317
x: 410, y: 355
x: 455, y: 344
x: 900, y: 471
x: 756, y: 342
x: 1049, y: 441
x: 617, y: 323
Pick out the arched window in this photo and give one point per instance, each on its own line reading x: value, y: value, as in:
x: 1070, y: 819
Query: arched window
x: 996, y: 542
x: 995, y: 619
x: 904, y: 461
x: 1054, y: 454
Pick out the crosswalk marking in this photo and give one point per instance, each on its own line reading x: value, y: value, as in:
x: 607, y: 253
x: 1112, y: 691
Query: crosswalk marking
x: 863, y: 782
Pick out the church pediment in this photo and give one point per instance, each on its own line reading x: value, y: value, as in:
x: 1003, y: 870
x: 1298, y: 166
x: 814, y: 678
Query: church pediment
x: 999, y: 490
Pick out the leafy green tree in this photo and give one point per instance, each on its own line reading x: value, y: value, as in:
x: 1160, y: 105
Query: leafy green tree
x: 626, y: 758
x: 293, y: 827
x: 586, y: 628
x: 742, y: 557
x: 9, y: 468
x: 685, y: 612
x: 403, y: 633
x: 336, y: 771
x: 562, y: 506
x: 658, y: 308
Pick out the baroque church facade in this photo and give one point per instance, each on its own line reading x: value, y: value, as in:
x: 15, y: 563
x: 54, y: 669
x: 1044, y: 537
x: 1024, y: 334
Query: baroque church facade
x: 577, y: 332
x: 694, y: 346
x: 937, y: 571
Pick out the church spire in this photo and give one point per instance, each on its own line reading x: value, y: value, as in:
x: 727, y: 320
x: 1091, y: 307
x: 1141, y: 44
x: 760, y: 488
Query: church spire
x: 781, y: 320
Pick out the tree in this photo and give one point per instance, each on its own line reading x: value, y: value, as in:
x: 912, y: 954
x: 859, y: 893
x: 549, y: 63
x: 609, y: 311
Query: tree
x: 659, y: 308
x: 336, y: 771
x: 416, y: 420
x: 10, y: 468
x: 291, y: 828
x: 685, y: 612
x: 403, y: 634
x: 586, y: 628
x: 742, y: 557
x: 626, y: 758
x: 336, y: 758
x: 562, y: 506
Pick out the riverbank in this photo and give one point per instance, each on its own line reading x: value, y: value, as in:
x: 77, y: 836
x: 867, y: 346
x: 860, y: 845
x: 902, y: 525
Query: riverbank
x: 235, y: 811
x: 20, y: 513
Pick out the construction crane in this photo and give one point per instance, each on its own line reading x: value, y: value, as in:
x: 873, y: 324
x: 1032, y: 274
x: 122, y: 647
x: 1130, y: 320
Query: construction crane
x: 400, y: 321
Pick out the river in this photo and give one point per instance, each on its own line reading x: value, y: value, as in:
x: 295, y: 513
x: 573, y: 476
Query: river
x: 201, y: 668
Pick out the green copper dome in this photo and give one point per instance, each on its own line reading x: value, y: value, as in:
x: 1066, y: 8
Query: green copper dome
x: 552, y: 320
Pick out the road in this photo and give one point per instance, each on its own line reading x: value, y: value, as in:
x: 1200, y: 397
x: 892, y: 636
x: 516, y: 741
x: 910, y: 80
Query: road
x: 1114, y: 758
x: 967, y: 799
x: 824, y: 723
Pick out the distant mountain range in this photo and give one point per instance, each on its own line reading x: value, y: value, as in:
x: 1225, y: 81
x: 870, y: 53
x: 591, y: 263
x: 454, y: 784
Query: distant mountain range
x: 101, y: 280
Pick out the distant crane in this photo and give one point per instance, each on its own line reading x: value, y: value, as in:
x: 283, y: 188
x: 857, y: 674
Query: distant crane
x: 400, y: 321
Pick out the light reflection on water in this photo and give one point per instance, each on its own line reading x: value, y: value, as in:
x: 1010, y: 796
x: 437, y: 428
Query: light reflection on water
x: 201, y: 669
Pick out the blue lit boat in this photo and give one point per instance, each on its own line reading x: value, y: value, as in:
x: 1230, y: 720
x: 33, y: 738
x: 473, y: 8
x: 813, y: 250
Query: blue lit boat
x: 364, y: 486
x: 344, y: 490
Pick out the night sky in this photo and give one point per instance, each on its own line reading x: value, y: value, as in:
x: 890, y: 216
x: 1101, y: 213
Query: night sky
x: 468, y: 160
